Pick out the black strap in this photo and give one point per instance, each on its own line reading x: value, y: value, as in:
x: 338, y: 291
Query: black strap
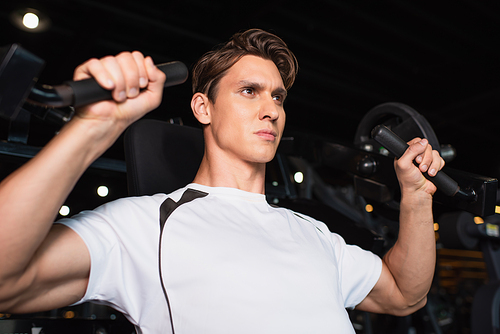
x: 169, y: 205
x: 166, y: 209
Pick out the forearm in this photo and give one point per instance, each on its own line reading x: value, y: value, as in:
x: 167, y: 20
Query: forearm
x: 411, y: 260
x: 31, y: 196
x: 408, y: 267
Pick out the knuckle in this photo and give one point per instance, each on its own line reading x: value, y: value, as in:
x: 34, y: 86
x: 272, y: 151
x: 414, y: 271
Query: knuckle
x: 90, y: 64
x: 107, y: 59
x: 137, y: 54
x: 123, y: 54
x: 415, y: 148
x: 91, y: 61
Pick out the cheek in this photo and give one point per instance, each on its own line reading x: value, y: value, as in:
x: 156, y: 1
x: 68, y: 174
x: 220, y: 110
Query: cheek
x: 229, y: 128
x: 282, y: 121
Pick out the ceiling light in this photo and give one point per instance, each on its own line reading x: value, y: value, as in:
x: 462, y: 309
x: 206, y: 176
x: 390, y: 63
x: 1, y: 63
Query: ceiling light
x: 29, y: 19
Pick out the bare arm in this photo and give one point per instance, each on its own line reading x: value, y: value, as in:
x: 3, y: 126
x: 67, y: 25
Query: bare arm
x: 408, y: 267
x: 43, y: 267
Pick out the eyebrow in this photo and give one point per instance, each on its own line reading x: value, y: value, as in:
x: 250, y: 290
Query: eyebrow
x: 256, y: 85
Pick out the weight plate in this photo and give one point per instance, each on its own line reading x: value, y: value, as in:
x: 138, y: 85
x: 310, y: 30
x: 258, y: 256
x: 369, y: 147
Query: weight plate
x: 403, y: 120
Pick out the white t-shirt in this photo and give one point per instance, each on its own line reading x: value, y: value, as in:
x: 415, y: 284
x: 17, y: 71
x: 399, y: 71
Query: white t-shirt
x: 225, y: 261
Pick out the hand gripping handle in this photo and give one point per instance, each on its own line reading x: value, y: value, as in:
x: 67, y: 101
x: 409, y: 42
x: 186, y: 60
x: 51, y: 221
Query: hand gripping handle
x: 397, y: 146
x: 88, y: 91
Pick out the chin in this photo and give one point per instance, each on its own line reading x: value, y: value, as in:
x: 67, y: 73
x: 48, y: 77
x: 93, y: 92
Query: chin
x: 262, y: 156
x: 263, y: 159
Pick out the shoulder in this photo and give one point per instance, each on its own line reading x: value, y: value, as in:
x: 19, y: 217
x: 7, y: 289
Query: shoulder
x: 306, y: 219
x: 125, y: 215
x: 125, y: 208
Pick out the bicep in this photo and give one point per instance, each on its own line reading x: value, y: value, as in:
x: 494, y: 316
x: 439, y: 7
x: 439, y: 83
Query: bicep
x: 57, y: 275
x: 385, y: 297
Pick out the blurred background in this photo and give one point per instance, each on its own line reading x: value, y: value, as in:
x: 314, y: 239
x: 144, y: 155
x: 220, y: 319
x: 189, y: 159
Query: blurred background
x: 439, y: 58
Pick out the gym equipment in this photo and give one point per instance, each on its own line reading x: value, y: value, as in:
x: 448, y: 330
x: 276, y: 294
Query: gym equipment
x: 458, y: 230
x: 19, y: 70
x: 397, y: 147
x: 21, y: 96
x: 403, y: 120
x: 371, y: 162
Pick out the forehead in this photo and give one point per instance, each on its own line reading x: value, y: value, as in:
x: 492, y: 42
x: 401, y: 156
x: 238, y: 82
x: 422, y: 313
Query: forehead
x: 254, y: 69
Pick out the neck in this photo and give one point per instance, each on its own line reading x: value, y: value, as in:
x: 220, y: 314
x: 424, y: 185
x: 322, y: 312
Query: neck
x: 221, y: 172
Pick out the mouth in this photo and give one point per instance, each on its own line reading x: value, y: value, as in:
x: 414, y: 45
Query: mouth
x: 267, y: 134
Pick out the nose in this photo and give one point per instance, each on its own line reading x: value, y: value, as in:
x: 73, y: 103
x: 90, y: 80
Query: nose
x: 269, y: 109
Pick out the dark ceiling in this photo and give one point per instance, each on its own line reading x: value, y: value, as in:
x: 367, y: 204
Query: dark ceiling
x: 439, y: 57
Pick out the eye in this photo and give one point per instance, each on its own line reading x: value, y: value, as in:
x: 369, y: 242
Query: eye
x: 278, y: 98
x: 247, y: 91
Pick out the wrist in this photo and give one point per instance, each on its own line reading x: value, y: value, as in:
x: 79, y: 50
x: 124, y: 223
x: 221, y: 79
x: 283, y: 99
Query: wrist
x: 91, y: 137
x: 416, y: 199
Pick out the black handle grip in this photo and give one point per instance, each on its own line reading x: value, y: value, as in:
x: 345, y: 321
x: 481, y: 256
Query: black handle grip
x: 88, y: 91
x: 397, y: 146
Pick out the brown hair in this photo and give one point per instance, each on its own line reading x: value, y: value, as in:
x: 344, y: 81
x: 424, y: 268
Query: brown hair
x: 213, y: 65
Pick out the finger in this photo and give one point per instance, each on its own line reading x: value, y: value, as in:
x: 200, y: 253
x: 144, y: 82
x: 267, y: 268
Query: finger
x: 130, y: 73
x: 94, y: 68
x: 418, y: 158
x: 141, y: 67
x: 154, y: 74
x: 114, y: 69
x: 414, y: 140
x: 156, y: 82
x: 437, y: 163
x: 426, y: 158
x: 416, y: 149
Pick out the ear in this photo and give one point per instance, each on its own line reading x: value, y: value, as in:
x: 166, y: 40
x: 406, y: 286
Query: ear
x: 201, y: 106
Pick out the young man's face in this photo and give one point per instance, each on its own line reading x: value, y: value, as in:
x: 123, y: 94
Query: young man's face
x: 247, y: 118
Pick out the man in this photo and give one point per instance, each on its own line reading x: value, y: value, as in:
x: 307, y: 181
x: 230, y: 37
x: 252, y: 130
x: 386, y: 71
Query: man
x: 212, y: 257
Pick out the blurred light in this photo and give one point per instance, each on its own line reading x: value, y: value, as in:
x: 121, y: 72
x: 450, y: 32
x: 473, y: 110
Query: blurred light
x: 69, y: 315
x: 64, y: 210
x: 497, y: 209
x: 383, y: 151
x: 478, y: 220
x: 436, y: 226
x: 275, y: 183
x: 298, y: 177
x: 492, y: 230
x: 30, y: 20
x: 369, y: 208
x: 102, y: 191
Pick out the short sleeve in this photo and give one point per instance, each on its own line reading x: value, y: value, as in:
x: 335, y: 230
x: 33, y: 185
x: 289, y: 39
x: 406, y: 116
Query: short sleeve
x: 359, y: 271
x: 102, y: 243
x: 120, y: 235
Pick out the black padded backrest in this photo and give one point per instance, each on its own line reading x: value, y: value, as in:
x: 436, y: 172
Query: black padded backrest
x: 161, y: 157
